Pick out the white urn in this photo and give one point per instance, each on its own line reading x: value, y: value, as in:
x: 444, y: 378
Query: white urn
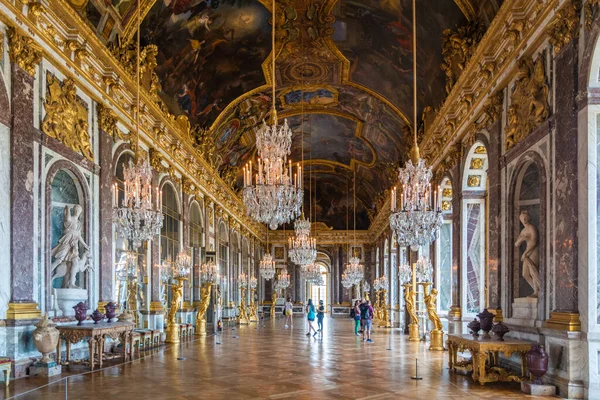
x: 45, y: 338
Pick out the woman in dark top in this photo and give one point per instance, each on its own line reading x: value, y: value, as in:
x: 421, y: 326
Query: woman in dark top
x: 320, y: 315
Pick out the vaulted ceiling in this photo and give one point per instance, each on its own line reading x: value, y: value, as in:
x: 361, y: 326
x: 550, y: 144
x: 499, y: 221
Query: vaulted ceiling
x: 343, y: 75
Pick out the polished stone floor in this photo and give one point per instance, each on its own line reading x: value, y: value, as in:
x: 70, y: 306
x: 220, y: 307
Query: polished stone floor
x: 277, y: 363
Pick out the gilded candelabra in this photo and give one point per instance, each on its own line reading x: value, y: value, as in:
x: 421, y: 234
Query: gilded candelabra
x: 377, y: 306
x: 436, y: 334
x: 273, y: 302
x: 253, y: 307
x: 384, y: 322
x: 176, y: 299
x: 243, y: 311
x: 205, y: 291
x: 409, y: 300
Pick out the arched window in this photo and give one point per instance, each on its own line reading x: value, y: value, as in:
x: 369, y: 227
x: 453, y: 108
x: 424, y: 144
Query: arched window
x: 235, y: 266
x: 473, y: 230
x: 170, y: 232
x: 224, y: 258
x: 444, y: 250
x: 196, y: 231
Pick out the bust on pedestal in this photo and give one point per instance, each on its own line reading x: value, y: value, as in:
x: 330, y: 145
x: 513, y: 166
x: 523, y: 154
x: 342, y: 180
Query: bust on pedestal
x: 71, y: 257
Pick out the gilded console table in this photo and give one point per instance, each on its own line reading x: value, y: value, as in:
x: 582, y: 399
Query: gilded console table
x: 96, y: 335
x: 485, y: 351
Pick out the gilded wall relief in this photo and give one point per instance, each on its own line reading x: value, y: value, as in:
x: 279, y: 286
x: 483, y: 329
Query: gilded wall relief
x: 529, y: 106
x: 474, y: 180
x: 458, y: 45
x: 66, y: 116
x: 23, y: 50
x: 565, y: 25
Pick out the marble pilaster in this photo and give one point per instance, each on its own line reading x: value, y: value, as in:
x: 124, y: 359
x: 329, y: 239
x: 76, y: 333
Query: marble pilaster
x: 565, y: 183
x: 494, y: 289
x: 456, y: 242
x: 105, y: 227
x: 21, y: 188
x: 155, y: 300
x: 185, y: 217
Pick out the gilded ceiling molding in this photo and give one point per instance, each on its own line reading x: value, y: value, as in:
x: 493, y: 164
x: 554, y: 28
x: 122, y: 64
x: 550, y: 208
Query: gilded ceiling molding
x: 467, y: 8
x: 565, y: 25
x: 529, y: 106
x: 130, y: 25
x: 23, y: 50
x: 66, y: 116
x: 107, y: 82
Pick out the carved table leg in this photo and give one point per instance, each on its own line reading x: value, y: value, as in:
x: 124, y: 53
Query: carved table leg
x: 100, y: 346
x: 68, y: 360
x: 451, y: 351
x: 131, y: 349
x: 92, y: 349
x: 58, y: 357
x: 475, y: 363
x: 523, y: 365
x: 7, y: 376
x: 481, y: 359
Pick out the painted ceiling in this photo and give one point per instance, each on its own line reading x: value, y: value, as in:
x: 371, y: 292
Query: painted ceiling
x: 343, y: 75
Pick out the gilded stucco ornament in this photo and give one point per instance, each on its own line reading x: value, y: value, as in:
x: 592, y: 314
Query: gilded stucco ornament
x: 156, y: 160
x: 458, y: 45
x: 23, y: 50
x: 492, y: 110
x: 107, y: 121
x: 565, y: 25
x: 476, y: 163
x: 187, y: 186
x: 66, y: 116
x: 474, y: 180
x: 591, y: 7
x: 529, y: 101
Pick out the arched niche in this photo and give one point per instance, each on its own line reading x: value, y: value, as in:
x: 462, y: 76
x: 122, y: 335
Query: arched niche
x: 527, y: 194
x: 67, y: 221
x: 474, y: 230
x: 443, y: 248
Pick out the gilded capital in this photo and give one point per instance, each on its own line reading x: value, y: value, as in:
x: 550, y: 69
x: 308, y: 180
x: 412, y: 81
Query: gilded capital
x: 107, y: 121
x: 23, y: 51
x: 564, y: 26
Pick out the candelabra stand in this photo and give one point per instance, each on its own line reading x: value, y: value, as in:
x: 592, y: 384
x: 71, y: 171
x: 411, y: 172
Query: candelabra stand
x: 205, y: 291
x: 176, y: 299
x: 273, y: 302
x: 384, y: 322
x: 243, y: 312
x: 253, y: 307
x: 437, y: 333
x: 409, y: 301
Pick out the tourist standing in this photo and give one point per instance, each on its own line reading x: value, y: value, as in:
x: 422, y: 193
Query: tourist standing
x: 356, y: 317
x: 367, y: 318
x: 310, y: 316
x: 362, y: 305
x: 289, y: 313
x: 320, y: 315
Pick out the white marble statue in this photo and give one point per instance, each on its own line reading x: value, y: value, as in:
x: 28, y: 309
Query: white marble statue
x: 530, y: 257
x: 68, y: 261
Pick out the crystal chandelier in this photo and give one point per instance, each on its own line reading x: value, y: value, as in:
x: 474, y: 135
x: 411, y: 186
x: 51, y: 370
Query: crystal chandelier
x: 243, y: 280
x: 183, y: 264
x: 252, y: 282
x: 140, y: 216
x: 303, y: 248
x: 283, y: 280
x: 346, y: 281
x: 267, y: 267
x: 419, y: 217
x: 312, y: 273
x: 423, y: 269
x: 273, y: 195
x: 208, y: 272
x: 380, y: 283
x: 405, y: 273
x: 354, y: 270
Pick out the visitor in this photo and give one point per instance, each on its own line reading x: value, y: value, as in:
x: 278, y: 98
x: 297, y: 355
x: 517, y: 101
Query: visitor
x: 320, y: 315
x: 310, y: 316
x: 356, y: 316
x: 367, y: 317
x: 289, y: 313
x: 361, y: 306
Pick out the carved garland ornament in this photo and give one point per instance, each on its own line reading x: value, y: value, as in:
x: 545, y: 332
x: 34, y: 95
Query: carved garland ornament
x: 529, y: 100
x: 23, y: 51
x: 66, y: 116
x: 107, y: 121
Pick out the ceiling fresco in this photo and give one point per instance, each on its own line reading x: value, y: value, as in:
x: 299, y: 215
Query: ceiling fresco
x: 345, y: 64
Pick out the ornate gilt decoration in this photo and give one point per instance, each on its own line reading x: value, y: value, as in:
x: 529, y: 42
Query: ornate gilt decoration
x: 187, y: 186
x: 480, y: 150
x: 565, y: 25
x: 205, y: 145
x: 156, y: 160
x: 447, y: 192
x: 467, y: 8
x: 126, y: 55
x: 492, y: 110
x: 107, y: 121
x: 476, y: 163
x: 590, y: 11
x: 474, y: 180
x: 529, y: 101
x: 457, y: 48
x: 446, y: 205
x: 66, y: 116
x: 23, y: 50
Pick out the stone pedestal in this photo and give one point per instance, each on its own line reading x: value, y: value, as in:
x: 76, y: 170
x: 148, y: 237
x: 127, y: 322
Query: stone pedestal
x: 68, y: 298
x: 45, y: 369
x: 525, y: 308
x: 538, y: 390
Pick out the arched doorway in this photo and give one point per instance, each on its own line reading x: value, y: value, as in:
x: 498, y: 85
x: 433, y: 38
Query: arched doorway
x: 322, y: 290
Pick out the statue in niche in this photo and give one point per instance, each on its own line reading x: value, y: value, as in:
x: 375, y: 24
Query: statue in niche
x: 530, y: 257
x: 71, y: 254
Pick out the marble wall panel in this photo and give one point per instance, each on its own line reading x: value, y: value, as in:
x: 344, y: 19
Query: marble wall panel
x: 474, y: 247
x: 5, y: 227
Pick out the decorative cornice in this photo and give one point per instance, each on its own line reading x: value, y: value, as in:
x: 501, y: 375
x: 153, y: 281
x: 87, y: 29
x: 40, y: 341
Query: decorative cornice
x: 565, y: 25
x: 23, y: 50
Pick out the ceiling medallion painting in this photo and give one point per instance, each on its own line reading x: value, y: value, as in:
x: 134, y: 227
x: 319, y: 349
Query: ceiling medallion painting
x: 210, y: 53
